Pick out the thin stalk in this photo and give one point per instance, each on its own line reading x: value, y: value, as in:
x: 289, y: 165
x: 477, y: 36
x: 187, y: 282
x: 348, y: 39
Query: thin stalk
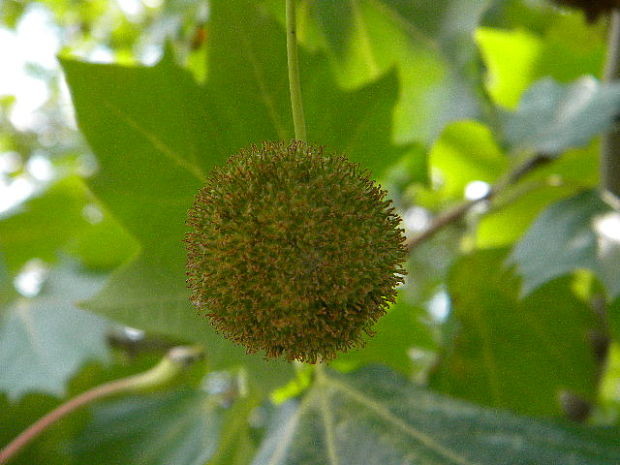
x: 610, y: 147
x: 293, y: 71
x: 165, y: 371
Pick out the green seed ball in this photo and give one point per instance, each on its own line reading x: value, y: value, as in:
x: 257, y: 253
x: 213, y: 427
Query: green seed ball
x: 293, y: 251
x: 592, y: 8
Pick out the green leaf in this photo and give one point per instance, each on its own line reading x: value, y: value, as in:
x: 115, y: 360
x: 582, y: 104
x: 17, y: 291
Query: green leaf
x: 545, y: 44
x: 614, y: 319
x: 357, y: 123
x: 609, y: 399
x: 45, y: 339
x: 579, y: 232
x: 501, y: 343
x: 553, y: 117
x: 572, y: 47
x: 397, y: 332
x: 511, y: 58
x: 99, y: 242
x: 429, y: 44
x: 58, y: 208
x: 535, y: 15
x: 466, y: 151
x: 168, y: 132
x: 575, y: 169
x: 180, y: 428
x: 236, y: 446
x: 376, y: 417
x: 103, y: 244
x: 7, y: 291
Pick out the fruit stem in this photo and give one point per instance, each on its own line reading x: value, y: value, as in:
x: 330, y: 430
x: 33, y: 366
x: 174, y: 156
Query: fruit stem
x: 610, y: 147
x: 165, y: 371
x: 293, y: 71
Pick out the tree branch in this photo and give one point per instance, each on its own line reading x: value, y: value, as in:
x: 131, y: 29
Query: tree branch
x: 456, y: 213
x: 167, y: 369
x: 610, y: 147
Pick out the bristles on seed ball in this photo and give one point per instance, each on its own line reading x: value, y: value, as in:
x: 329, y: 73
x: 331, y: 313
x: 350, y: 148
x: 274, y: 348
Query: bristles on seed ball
x: 293, y: 251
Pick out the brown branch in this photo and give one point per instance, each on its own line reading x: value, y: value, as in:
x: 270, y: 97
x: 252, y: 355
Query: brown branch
x: 456, y: 213
x: 610, y: 144
x: 43, y: 423
x: 170, y: 366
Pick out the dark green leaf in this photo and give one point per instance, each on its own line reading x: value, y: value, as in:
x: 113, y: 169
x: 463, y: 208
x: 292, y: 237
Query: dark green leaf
x: 553, y: 117
x: 579, y: 232
x: 502, y: 343
x: 397, y: 332
x: 357, y: 123
x: 43, y: 224
x: 179, y: 428
x: 45, y: 339
x: 157, y: 118
x: 376, y: 417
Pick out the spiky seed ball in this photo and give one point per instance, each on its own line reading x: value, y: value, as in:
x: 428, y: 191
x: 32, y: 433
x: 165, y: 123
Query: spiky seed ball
x: 293, y: 251
x: 592, y: 8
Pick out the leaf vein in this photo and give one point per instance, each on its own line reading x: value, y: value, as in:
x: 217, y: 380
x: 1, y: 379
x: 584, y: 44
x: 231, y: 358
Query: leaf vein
x: 158, y: 144
x: 406, y: 428
x: 264, y: 93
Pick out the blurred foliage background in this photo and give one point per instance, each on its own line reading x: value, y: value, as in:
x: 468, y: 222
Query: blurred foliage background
x: 503, y: 346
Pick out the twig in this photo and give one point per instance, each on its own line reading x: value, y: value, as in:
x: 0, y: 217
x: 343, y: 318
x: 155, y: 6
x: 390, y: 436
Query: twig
x: 610, y: 147
x: 167, y: 369
x: 456, y: 213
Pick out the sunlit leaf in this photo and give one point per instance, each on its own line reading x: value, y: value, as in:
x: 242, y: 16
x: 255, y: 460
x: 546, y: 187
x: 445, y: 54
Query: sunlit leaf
x: 511, y: 59
x: 464, y: 152
x: 532, y: 40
